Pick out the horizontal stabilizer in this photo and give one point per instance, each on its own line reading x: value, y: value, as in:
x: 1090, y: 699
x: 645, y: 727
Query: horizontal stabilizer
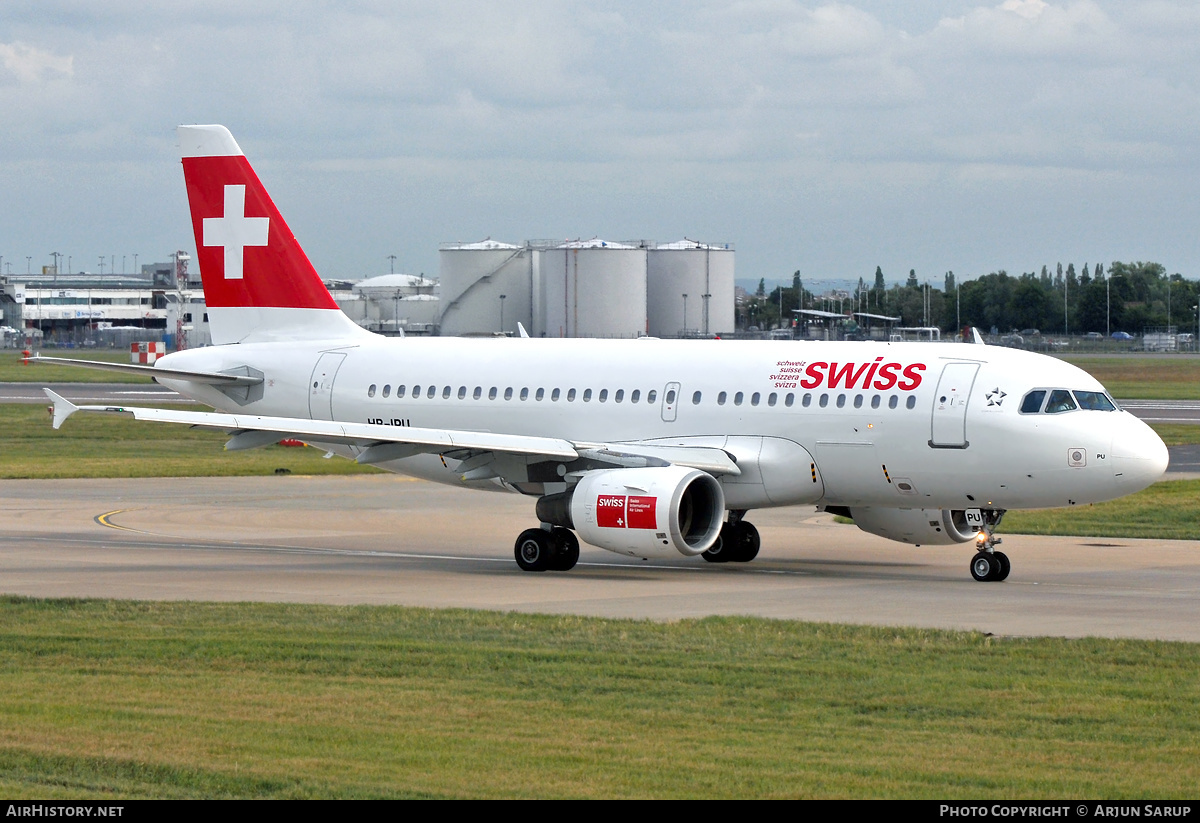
x: 208, y: 378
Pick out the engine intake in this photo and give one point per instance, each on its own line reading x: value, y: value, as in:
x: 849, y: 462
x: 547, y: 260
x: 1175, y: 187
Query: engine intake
x: 650, y: 512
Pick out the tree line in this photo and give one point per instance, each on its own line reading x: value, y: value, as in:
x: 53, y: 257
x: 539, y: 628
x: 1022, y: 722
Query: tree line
x: 1127, y: 297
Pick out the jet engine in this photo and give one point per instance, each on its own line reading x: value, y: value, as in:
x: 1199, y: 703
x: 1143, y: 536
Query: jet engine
x: 935, y: 527
x: 648, y: 512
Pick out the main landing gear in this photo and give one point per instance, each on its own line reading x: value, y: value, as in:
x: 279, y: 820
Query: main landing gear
x: 989, y: 565
x: 738, y: 542
x: 540, y: 550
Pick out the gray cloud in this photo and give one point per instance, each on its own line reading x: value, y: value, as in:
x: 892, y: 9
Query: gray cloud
x: 827, y: 137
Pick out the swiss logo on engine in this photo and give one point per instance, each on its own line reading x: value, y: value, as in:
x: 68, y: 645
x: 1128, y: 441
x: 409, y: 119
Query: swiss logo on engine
x: 617, y: 511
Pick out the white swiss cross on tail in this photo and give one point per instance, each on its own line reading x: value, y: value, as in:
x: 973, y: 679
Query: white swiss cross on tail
x: 235, y: 231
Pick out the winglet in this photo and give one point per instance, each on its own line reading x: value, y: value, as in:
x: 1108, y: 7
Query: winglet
x: 63, y: 408
x: 976, y: 337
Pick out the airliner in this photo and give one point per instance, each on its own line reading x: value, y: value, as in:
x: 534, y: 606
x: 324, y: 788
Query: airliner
x: 648, y: 448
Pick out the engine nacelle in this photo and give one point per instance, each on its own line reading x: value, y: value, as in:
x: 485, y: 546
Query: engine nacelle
x: 935, y: 527
x: 652, y: 512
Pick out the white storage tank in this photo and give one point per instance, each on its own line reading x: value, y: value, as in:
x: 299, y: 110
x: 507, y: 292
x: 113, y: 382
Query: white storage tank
x: 485, y: 287
x: 590, y: 288
x: 689, y: 289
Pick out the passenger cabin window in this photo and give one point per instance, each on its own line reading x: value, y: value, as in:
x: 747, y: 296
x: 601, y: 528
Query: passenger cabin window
x: 618, y: 395
x: 540, y: 394
x: 508, y: 393
x: 651, y: 396
x: 492, y: 393
x: 400, y: 391
x: 387, y: 389
x: 587, y: 395
x: 721, y: 398
x: 671, y: 397
x: 737, y: 399
x: 446, y: 393
x: 570, y: 395
x: 430, y: 392
x: 893, y: 402
x: 911, y: 402
x: 635, y: 395
x: 754, y: 398
x: 371, y: 391
x: 603, y: 396
x: 478, y: 393
x: 524, y: 393
x: 462, y: 392
x: 696, y: 398
x: 554, y: 395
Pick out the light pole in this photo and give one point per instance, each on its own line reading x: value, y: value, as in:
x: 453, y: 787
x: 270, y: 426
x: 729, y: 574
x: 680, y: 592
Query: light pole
x: 502, y: 297
x: 705, y: 297
x: 102, y: 265
x: 685, y: 315
x: 391, y: 264
x: 136, y: 270
x: 28, y: 264
x: 55, y: 255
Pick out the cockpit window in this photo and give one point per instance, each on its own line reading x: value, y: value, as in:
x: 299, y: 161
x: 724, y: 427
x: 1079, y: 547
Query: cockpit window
x: 1094, y: 401
x: 1032, y: 403
x: 1060, y: 401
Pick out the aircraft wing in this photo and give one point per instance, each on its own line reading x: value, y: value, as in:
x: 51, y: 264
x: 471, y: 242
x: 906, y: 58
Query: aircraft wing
x: 380, y: 443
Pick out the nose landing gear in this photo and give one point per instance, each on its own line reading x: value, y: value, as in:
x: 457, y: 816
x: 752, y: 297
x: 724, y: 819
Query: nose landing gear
x: 989, y: 565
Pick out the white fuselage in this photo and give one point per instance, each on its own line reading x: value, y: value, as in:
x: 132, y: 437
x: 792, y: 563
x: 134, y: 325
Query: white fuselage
x: 913, y: 425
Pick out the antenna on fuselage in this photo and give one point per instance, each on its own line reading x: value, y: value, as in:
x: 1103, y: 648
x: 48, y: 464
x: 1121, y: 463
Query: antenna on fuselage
x: 976, y: 337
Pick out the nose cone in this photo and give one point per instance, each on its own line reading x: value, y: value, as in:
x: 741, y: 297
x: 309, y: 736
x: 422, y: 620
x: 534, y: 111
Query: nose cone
x: 1139, y: 455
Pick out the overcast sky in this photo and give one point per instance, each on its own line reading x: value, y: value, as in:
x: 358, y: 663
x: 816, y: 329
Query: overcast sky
x: 829, y: 138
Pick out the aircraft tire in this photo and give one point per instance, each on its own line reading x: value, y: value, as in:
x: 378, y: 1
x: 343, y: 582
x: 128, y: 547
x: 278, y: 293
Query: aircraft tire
x: 722, y: 550
x: 747, y: 543
x: 566, y: 553
x: 534, y: 550
x: 983, y: 567
x: 1003, y: 566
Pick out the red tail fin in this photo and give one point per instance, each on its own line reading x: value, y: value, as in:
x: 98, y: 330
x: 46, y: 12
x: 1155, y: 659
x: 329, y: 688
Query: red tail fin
x: 255, y: 274
x: 248, y: 256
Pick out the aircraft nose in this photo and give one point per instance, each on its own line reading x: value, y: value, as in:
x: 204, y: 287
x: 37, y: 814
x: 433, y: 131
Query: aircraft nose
x: 1139, y: 455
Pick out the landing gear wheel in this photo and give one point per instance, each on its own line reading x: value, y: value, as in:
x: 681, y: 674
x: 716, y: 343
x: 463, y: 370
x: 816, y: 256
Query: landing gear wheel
x: 737, y: 543
x: 567, y: 549
x: 747, y: 543
x: 983, y: 567
x: 722, y: 549
x: 535, y: 550
x: 1003, y: 566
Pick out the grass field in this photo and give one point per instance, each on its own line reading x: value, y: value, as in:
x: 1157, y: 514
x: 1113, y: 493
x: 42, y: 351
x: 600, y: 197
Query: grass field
x: 13, y: 370
x: 105, y: 445
x: 1169, y: 510
x: 126, y: 699
x: 1168, y: 377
